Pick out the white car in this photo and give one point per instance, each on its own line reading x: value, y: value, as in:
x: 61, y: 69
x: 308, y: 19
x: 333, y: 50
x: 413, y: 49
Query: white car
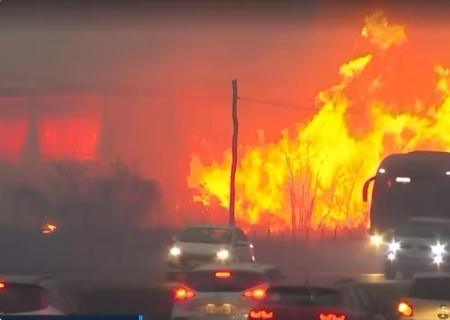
x: 200, y: 244
x: 33, y: 295
x: 428, y: 297
x: 214, y: 290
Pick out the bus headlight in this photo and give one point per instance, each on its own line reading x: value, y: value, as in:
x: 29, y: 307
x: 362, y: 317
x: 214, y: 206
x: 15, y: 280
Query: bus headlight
x: 376, y: 240
x: 437, y: 259
x: 394, y: 246
x: 438, y: 249
x: 391, y: 256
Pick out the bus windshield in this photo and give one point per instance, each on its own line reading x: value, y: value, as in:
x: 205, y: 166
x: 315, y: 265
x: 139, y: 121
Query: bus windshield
x: 413, y: 195
x: 424, y: 229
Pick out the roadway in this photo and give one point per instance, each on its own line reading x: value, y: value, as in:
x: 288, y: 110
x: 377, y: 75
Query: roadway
x: 142, y: 290
x: 143, y: 296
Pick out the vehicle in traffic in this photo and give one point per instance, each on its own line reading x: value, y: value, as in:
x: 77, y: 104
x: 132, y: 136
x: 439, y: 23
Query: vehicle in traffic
x: 202, y: 244
x: 30, y: 295
x: 214, y: 291
x: 312, y: 302
x: 407, y: 185
x: 428, y: 297
x: 419, y: 245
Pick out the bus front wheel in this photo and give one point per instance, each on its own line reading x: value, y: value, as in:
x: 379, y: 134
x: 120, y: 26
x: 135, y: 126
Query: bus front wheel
x: 390, y: 272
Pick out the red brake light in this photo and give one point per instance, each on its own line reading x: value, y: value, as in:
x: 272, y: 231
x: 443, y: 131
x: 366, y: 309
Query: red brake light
x: 2, y: 285
x: 255, y: 293
x: 332, y: 316
x: 222, y: 274
x: 405, y: 309
x: 260, y: 314
x: 183, y: 293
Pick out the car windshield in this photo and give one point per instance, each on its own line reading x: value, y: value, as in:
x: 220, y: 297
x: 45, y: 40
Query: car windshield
x: 424, y: 229
x: 206, y: 235
x: 305, y: 296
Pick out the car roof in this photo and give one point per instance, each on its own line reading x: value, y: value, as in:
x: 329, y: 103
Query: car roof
x: 237, y: 266
x: 26, y: 279
x: 306, y: 287
x: 216, y: 226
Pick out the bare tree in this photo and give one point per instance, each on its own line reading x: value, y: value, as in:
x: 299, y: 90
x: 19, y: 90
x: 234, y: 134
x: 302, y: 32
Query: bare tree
x: 304, y: 182
x: 292, y: 191
x: 337, y: 199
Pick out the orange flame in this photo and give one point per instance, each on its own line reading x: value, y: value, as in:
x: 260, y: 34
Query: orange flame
x: 313, y: 177
x: 49, y: 227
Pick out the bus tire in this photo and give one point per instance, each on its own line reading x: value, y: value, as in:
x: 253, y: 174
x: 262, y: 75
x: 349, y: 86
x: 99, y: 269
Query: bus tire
x: 389, y: 272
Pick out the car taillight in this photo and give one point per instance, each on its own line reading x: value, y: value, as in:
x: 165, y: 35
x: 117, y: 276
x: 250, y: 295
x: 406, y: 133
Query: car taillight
x: 260, y: 314
x: 2, y: 285
x: 405, y: 309
x: 222, y: 274
x: 183, y: 293
x: 255, y: 293
x: 332, y: 316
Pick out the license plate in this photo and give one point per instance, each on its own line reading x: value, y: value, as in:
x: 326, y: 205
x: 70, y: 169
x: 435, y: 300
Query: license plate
x: 220, y: 310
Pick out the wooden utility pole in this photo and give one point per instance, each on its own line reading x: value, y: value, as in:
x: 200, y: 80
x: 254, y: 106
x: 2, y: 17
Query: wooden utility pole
x: 234, y: 147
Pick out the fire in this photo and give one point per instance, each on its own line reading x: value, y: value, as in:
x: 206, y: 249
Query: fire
x: 312, y: 177
x: 49, y: 227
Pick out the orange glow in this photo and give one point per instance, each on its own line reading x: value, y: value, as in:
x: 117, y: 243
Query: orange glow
x: 14, y: 127
x: 73, y: 137
x: 49, y: 227
x: 261, y: 314
x: 69, y: 125
x: 184, y: 293
x: 331, y: 316
x: 222, y: 274
x: 255, y: 293
x: 2, y: 285
x: 405, y: 309
x: 312, y: 177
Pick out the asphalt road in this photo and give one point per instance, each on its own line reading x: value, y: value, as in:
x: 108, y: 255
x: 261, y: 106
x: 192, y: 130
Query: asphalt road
x: 142, y: 295
x: 143, y: 291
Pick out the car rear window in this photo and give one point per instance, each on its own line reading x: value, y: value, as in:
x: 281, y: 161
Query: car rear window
x: 206, y: 235
x: 21, y: 298
x: 430, y: 289
x: 305, y: 296
x: 207, y: 281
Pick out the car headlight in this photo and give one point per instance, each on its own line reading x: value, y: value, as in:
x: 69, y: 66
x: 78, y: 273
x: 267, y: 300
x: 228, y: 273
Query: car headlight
x: 174, y: 251
x: 376, y: 239
x: 438, y: 249
x: 223, y: 254
x: 394, y: 246
x: 438, y: 259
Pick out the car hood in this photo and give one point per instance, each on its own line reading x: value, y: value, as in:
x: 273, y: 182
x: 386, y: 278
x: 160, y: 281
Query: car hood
x: 200, y: 248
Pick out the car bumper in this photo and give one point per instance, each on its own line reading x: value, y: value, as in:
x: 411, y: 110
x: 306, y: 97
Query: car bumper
x: 240, y: 313
x: 186, y: 264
